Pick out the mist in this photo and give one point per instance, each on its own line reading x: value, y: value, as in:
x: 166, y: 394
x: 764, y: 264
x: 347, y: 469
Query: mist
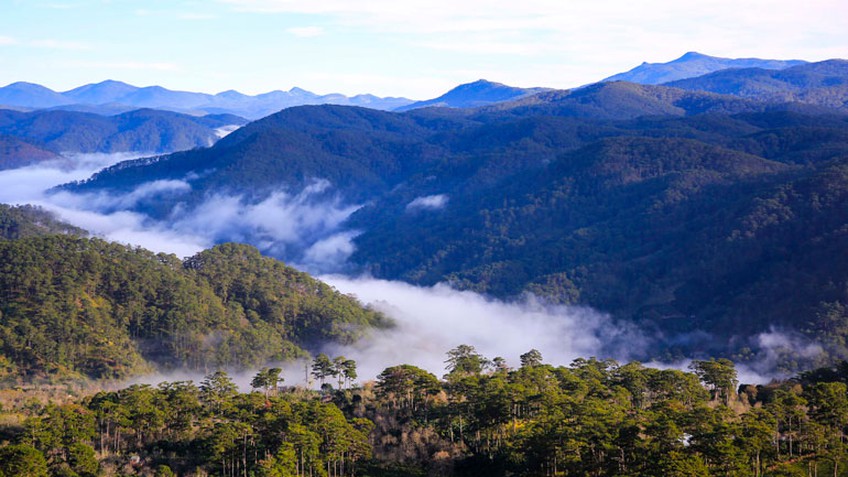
x: 302, y: 227
x: 432, y: 320
x: 307, y: 229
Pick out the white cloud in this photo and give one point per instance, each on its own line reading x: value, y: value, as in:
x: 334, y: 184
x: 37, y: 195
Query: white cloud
x: 327, y: 254
x: 225, y: 131
x: 567, y: 44
x: 431, y: 202
x: 306, y: 32
x: 60, y: 44
x: 432, y: 320
x: 48, y: 44
x: 304, y: 227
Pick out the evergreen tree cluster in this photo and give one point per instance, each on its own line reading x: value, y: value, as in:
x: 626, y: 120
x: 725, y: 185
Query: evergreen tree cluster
x: 483, y: 418
x: 80, y: 307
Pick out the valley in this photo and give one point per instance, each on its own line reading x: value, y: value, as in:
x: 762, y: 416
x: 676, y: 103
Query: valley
x: 467, y: 285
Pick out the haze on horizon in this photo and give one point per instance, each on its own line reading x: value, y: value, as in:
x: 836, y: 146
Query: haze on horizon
x: 415, y: 49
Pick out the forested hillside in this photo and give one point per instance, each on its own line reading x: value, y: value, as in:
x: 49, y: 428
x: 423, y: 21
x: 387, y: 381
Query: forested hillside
x: 483, y: 418
x: 708, y: 219
x: 143, y: 130
x: 79, y: 307
x: 823, y: 83
x: 15, y: 153
x: 31, y: 221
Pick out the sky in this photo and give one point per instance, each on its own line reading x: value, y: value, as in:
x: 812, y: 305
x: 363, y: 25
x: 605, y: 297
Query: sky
x: 412, y: 48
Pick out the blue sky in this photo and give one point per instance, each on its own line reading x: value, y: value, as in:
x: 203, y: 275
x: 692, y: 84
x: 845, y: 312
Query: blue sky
x: 412, y: 48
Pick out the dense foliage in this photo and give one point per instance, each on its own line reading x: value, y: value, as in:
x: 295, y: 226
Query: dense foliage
x: 30, y: 221
x: 483, y: 418
x: 73, y: 306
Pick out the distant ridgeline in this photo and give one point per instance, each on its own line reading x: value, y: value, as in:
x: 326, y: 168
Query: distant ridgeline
x: 74, y: 306
x: 707, y: 218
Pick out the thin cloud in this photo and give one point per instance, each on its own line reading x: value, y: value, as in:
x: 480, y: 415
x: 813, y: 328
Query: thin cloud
x: 46, y: 43
x: 432, y: 202
x: 567, y: 37
x: 127, y: 65
x: 306, y: 32
x: 52, y: 44
x: 197, y: 16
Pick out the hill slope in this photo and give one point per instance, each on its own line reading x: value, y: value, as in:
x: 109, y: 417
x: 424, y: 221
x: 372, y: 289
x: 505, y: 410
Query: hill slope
x: 15, y: 153
x: 824, y: 84
x: 143, y: 130
x: 31, y: 221
x: 472, y: 95
x: 84, y: 307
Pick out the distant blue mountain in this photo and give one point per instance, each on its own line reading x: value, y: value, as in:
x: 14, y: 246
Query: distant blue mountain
x: 29, y: 95
x: 108, y: 91
x: 114, y: 97
x: 694, y: 64
x: 478, y: 93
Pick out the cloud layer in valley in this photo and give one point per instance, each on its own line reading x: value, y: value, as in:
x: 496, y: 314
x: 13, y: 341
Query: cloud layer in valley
x: 302, y: 226
x: 307, y: 226
x: 432, y: 320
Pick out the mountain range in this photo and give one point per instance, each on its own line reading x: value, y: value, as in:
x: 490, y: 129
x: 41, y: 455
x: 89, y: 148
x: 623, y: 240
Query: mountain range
x: 710, y: 219
x: 115, y: 97
x: 112, y: 97
x: 709, y: 211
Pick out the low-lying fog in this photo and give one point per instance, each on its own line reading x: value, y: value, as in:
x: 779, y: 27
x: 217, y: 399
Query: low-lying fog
x: 307, y: 228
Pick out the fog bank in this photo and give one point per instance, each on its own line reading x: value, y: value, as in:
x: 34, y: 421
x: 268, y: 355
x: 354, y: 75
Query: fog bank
x: 432, y: 320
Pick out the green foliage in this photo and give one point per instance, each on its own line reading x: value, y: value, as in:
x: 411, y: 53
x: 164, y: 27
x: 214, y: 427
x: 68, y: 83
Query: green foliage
x: 594, y: 417
x: 74, y: 306
x: 719, y: 375
x: 29, y: 221
x: 164, y: 471
x: 22, y: 460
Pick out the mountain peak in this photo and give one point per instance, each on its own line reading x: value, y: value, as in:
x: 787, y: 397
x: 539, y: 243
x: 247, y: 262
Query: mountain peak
x: 694, y: 64
x: 478, y: 93
x: 693, y: 55
x: 111, y: 82
x: 230, y: 94
x: 20, y: 85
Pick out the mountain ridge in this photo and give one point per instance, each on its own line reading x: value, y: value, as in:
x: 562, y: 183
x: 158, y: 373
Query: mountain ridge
x: 693, y: 64
x: 823, y: 83
x: 112, y: 95
x: 140, y: 130
x: 478, y: 93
